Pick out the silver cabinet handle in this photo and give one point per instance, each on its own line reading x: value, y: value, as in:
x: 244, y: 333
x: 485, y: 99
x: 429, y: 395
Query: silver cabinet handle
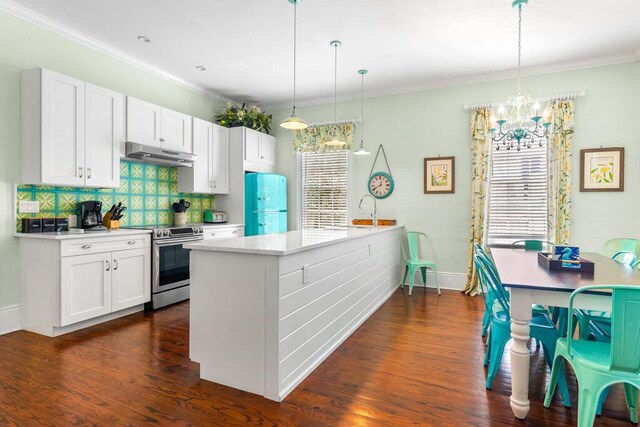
x: 87, y: 246
x: 235, y: 232
x: 131, y: 242
x: 80, y: 172
x: 213, y: 234
x: 262, y: 157
x: 214, y: 184
x: 115, y: 264
x: 210, y: 184
x: 88, y: 172
x: 108, y: 265
x: 262, y: 224
x: 162, y: 140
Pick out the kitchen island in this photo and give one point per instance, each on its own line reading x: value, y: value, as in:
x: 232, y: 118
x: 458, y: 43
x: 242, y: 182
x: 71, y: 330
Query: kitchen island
x: 266, y: 310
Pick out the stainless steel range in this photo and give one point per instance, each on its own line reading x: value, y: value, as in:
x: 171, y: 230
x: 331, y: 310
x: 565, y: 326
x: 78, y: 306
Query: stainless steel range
x: 170, y: 263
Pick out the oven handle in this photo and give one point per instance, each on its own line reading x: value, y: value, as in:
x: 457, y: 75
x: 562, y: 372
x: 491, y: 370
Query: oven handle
x: 176, y: 242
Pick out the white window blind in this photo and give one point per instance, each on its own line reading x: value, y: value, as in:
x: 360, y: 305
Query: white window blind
x: 324, y: 189
x: 518, y: 194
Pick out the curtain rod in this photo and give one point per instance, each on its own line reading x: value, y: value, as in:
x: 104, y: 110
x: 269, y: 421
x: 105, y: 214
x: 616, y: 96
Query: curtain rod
x: 556, y: 97
x: 354, y: 120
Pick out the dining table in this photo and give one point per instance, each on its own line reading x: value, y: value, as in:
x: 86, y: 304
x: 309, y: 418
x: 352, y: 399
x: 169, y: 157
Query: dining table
x: 529, y: 283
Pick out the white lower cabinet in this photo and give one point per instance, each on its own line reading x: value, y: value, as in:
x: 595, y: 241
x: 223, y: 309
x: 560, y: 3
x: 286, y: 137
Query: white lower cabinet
x: 101, y: 279
x: 85, y: 287
x: 130, y: 278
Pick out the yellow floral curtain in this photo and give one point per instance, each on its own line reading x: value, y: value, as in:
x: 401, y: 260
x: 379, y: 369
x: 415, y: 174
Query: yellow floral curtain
x: 310, y: 140
x: 480, y: 168
x: 559, y: 164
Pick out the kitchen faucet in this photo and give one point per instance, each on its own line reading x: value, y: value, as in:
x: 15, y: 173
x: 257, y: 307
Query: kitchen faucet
x: 375, y: 209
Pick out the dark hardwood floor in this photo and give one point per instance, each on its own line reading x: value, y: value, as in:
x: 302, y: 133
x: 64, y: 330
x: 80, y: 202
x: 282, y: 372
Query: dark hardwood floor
x: 416, y: 361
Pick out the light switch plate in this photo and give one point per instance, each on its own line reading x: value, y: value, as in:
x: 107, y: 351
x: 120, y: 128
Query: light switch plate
x: 28, y: 206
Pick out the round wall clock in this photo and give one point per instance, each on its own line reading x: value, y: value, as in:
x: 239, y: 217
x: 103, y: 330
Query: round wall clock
x: 381, y: 185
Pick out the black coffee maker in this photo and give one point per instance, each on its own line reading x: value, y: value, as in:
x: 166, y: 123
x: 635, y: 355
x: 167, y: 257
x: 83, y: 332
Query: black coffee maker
x: 90, y: 216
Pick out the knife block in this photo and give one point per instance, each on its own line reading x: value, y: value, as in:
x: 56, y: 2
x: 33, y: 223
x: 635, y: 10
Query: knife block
x: 111, y: 224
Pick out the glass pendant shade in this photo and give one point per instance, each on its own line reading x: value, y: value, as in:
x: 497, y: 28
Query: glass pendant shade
x: 294, y: 123
x: 334, y: 141
x: 361, y: 151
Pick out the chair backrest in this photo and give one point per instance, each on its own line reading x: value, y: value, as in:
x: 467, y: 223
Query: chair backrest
x: 636, y: 265
x: 621, y: 244
x: 625, y: 325
x: 489, y: 279
x: 413, y: 245
x: 625, y: 257
x: 532, y: 245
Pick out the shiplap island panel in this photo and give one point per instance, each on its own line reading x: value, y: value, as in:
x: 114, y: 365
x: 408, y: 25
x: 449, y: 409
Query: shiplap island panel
x: 267, y: 310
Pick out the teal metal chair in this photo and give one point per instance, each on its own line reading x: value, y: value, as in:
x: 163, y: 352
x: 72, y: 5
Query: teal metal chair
x: 622, y: 244
x: 598, y: 365
x: 624, y: 257
x: 532, y: 245
x: 541, y: 327
x: 414, y: 261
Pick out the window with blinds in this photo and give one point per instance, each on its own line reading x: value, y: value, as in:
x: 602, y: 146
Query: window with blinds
x: 518, y: 194
x: 325, y: 181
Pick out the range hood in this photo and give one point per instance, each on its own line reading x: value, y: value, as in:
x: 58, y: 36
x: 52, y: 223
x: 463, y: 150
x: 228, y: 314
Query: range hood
x: 159, y: 156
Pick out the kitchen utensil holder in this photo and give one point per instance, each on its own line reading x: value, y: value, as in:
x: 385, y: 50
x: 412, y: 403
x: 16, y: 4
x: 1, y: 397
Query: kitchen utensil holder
x: 179, y: 218
x: 111, y: 224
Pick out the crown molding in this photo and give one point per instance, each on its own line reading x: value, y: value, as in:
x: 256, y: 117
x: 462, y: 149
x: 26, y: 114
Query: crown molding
x: 472, y: 79
x: 49, y: 24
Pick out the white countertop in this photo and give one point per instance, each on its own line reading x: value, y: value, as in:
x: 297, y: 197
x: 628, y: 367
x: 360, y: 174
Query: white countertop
x: 287, y: 243
x: 66, y: 235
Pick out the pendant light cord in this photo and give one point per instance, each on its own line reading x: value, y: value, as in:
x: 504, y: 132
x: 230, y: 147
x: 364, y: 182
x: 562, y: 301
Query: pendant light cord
x: 362, y: 109
x: 519, y: 47
x: 335, y: 85
x: 295, y: 22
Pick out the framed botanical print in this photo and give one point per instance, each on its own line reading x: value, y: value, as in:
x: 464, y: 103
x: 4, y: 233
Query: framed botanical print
x: 602, y: 169
x: 439, y: 175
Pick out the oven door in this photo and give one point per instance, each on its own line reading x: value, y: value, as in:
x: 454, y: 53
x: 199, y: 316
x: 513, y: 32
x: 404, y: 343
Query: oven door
x: 170, y: 264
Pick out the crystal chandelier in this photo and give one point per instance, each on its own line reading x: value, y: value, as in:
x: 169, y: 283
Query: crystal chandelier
x: 521, y: 121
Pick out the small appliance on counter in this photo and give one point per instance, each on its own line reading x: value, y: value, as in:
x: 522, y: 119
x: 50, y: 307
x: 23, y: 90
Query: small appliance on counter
x: 215, y: 217
x: 90, y: 216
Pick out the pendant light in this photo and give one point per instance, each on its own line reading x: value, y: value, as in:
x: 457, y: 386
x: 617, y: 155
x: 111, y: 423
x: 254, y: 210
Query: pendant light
x: 294, y: 122
x: 361, y: 151
x: 334, y: 140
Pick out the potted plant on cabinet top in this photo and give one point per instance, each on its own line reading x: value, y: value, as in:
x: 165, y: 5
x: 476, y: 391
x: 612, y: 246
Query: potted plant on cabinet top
x: 252, y: 117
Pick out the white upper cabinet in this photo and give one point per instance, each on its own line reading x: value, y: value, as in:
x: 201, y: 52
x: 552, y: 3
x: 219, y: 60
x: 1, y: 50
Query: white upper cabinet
x: 210, y: 172
x: 259, y: 151
x: 175, y: 131
x: 220, y: 160
x: 104, y: 119
x: 67, y: 126
x: 143, y: 122
x: 150, y: 124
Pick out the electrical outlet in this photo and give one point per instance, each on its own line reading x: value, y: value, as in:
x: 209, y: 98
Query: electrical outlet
x: 28, y: 206
x: 73, y: 221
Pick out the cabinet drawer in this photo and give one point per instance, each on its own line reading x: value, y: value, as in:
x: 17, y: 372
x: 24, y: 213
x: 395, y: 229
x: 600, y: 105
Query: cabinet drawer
x: 222, y: 233
x: 107, y: 244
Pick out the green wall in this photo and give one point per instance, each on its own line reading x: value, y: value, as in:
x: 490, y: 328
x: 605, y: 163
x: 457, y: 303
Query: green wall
x: 24, y: 46
x: 430, y: 123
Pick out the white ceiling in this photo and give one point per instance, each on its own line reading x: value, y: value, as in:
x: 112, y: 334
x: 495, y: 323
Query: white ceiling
x: 246, y: 45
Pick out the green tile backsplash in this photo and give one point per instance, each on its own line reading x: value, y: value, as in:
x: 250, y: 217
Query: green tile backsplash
x: 148, y: 191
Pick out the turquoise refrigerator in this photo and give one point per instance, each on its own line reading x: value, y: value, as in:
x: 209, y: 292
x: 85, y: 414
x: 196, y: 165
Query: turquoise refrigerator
x: 265, y: 203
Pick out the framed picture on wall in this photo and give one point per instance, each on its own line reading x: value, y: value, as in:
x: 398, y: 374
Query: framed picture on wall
x: 439, y: 175
x: 602, y: 169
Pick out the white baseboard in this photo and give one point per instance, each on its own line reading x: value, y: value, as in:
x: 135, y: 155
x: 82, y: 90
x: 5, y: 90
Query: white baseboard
x: 10, y: 319
x: 448, y: 280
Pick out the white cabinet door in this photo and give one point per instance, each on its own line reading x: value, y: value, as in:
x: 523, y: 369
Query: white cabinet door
x: 103, y: 136
x: 131, y: 278
x: 85, y: 287
x: 175, y: 131
x: 62, y: 130
x: 143, y: 122
x: 252, y: 146
x: 220, y: 160
x: 199, y: 178
x: 267, y: 149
